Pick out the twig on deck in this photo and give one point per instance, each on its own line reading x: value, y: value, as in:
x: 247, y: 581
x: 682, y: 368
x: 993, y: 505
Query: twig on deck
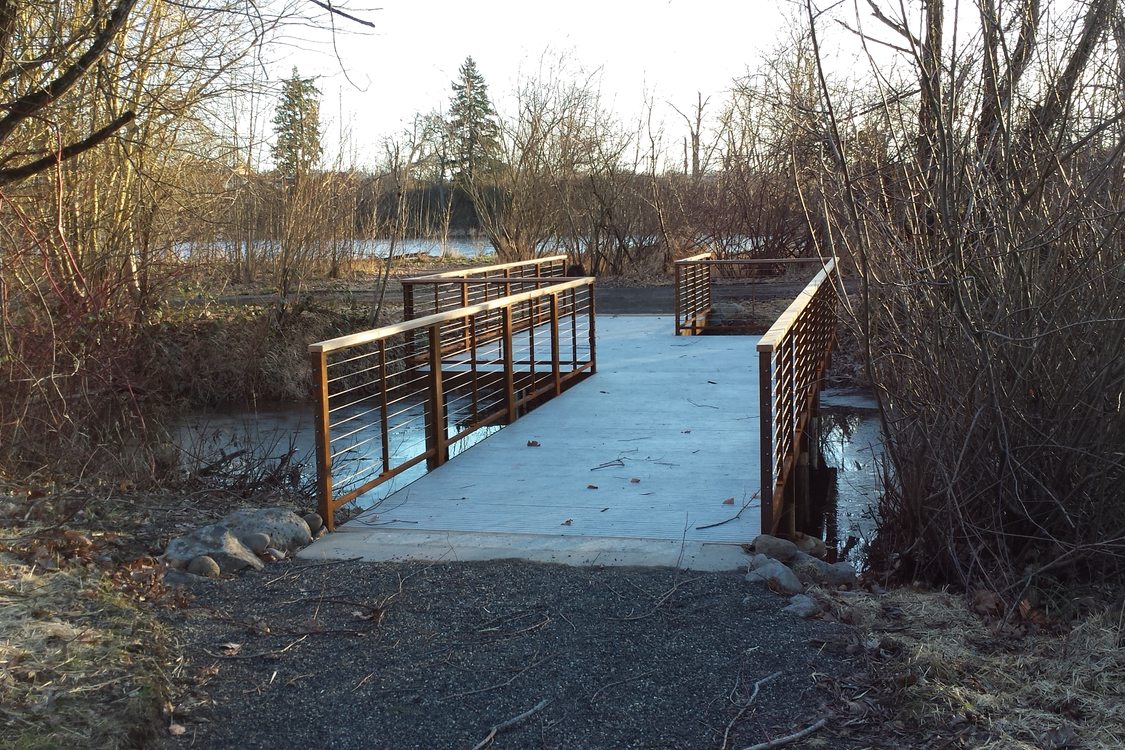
x: 702, y: 406
x: 746, y: 707
x: 781, y: 741
x: 735, y: 517
x: 607, y: 464
x: 514, y: 721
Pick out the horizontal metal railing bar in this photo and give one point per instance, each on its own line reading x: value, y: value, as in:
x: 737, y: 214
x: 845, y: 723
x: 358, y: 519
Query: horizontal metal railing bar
x: 384, y: 476
x: 497, y: 280
x: 365, y: 337
x: 496, y: 267
x: 696, y: 261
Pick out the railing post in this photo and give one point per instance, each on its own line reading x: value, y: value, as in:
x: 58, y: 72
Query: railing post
x: 509, y: 366
x: 593, y: 338
x: 319, y: 362
x: 766, y: 452
x: 407, y: 301
x: 556, y: 368
x: 436, y: 438
x: 678, y: 273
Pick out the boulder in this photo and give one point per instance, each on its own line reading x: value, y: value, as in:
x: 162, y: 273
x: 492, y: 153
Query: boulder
x: 777, y: 577
x: 758, y: 561
x: 204, y: 566
x: 811, y: 545
x: 314, y: 521
x: 174, y: 577
x: 773, y: 547
x: 216, y: 542
x: 258, y: 542
x: 287, y: 531
x: 802, y: 605
x: 810, y: 569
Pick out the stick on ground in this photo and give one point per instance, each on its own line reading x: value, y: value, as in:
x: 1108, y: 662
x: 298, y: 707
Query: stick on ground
x: 780, y: 741
x: 515, y: 720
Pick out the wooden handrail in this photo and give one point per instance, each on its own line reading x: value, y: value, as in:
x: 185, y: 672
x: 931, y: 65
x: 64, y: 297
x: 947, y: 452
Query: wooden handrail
x: 450, y: 374
x: 495, y: 267
x: 793, y: 356
x: 784, y: 322
x: 366, y: 337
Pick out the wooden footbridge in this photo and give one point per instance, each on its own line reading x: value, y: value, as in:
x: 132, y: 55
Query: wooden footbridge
x: 618, y: 428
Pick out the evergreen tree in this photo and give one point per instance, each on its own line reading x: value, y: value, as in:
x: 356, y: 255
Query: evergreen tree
x: 297, y: 127
x: 474, y: 131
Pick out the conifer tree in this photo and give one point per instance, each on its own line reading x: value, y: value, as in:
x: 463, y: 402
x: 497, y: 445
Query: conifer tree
x: 297, y: 127
x: 474, y: 131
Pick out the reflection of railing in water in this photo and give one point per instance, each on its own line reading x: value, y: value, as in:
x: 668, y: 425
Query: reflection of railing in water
x: 792, y: 359
x: 472, y: 366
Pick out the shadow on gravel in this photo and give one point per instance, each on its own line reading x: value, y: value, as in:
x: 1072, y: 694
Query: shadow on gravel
x: 364, y: 655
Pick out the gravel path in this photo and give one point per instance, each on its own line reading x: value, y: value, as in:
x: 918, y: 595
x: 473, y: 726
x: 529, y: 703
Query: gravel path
x: 364, y: 655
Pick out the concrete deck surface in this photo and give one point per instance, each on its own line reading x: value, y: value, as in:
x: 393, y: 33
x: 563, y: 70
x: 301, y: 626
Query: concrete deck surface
x: 633, y: 467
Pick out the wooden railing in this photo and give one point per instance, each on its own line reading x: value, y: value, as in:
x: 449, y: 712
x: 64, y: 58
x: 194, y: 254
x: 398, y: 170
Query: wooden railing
x: 434, y: 293
x: 445, y: 376
x: 695, y: 277
x: 693, y: 293
x: 792, y: 359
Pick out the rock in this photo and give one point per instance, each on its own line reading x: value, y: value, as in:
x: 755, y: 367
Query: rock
x: 273, y: 555
x: 204, y: 566
x: 258, y: 542
x: 758, y: 561
x: 314, y: 521
x: 176, y: 577
x: 777, y: 577
x: 810, y: 569
x: 287, y: 531
x: 802, y: 605
x: 811, y: 545
x: 771, y: 546
x: 215, y: 541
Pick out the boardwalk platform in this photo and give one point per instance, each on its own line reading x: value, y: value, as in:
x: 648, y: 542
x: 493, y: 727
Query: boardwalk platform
x: 646, y: 462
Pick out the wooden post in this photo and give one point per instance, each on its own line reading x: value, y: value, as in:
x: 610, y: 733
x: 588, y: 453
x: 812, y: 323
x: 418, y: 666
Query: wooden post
x: 319, y: 362
x: 679, y: 291
x: 509, y: 366
x: 437, y: 439
x: 765, y: 409
x: 801, y: 491
x: 384, y: 421
x: 593, y: 337
x: 556, y: 366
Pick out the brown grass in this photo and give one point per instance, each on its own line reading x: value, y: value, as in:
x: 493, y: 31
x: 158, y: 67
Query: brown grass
x: 945, y: 670
x: 79, y: 663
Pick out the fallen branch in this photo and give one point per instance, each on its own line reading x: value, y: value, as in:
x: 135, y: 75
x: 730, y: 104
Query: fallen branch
x: 640, y: 676
x: 515, y: 720
x: 497, y: 686
x: 732, y: 518
x: 746, y: 707
x: 781, y: 741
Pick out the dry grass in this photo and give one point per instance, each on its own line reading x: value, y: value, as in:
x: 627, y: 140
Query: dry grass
x: 946, y: 670
x: 79, y: 662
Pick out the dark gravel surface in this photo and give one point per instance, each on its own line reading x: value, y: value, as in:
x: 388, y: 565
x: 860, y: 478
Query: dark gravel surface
x: 366, y: 655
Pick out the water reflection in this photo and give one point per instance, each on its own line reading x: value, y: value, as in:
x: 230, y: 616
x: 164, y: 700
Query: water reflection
x: 234, y: 444
x: 852, y: 447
